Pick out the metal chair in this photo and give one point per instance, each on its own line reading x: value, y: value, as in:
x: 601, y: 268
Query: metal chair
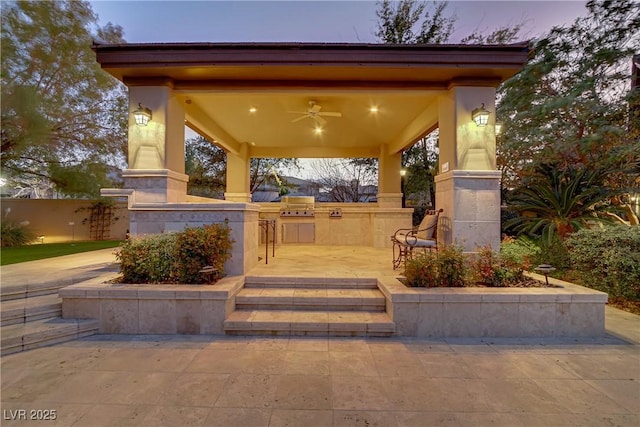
x: 424, y: 236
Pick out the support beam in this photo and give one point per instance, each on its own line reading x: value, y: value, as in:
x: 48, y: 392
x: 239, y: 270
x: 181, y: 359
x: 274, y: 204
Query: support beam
x: 313, y: 152
x: 424, y: 123
x: 198, y: 119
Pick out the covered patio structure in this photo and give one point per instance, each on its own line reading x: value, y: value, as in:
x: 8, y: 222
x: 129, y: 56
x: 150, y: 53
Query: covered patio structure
x: 241, y: 95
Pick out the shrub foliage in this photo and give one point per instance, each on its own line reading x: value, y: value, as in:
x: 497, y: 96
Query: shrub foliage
x: 608, y: 259
x: 449, y: 267
x: 176, y: 257
x: 445, y: 268
x: 15, y: 234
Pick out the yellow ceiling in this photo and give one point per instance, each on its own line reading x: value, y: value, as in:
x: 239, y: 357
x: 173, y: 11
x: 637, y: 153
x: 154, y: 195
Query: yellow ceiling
x: 402, y: 117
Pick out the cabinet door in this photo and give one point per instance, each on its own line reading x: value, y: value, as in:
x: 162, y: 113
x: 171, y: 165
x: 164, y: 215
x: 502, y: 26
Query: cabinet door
x: 306, y: 233
x: 298, y: 233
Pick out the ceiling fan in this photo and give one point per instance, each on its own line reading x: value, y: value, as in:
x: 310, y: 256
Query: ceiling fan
x: 313, y: 112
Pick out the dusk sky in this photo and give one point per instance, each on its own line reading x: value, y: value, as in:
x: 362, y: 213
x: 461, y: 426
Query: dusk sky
x: 309, y: 21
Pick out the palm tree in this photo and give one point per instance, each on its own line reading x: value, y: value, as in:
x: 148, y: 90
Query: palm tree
x: 559, y: 202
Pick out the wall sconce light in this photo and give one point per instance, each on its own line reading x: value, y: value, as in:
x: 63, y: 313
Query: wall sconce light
x: 498, y: 128
x: 480, y: 116
x: 142, y: 115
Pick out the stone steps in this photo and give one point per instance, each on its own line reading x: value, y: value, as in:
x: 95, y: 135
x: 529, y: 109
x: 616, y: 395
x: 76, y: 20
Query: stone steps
x: 35, y: 321
x: 12, y: 293
x: 310, y: 299
x: 40, y: 333
x: 281, y: 282
x: 310, y: 307
x: 309, y: 323
x: 30, y: 309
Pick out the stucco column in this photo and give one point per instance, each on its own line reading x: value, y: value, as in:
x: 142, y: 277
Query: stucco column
x: 238, y: 169
x: 389, y: 166
x: 468, y: 184
x: 156, y: 151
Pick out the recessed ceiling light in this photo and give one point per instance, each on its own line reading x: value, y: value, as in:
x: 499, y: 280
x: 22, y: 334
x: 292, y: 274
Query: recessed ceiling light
x: 373, y: 109
x: 318, y: 130
x: 252, y: 110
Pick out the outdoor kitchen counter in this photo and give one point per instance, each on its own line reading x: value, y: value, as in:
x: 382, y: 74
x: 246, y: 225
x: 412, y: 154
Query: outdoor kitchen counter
x: 357, y: 224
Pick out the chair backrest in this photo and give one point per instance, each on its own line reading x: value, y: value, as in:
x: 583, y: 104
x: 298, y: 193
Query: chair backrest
x: 428, y: 225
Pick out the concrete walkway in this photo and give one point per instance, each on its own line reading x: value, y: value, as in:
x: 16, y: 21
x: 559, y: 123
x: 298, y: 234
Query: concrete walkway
x: 63, y: 270
x: 174, y: 380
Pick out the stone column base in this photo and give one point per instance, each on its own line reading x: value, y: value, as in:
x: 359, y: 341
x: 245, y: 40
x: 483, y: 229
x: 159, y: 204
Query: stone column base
x: 156, y: 185
x: 238, y: 197
x: 390, y: 200
x: 471, y: 203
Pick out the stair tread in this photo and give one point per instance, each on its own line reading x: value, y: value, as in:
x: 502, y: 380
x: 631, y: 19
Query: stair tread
x: 46, y: 327
x: 30, y: 304
x: 295, y: 316
x: 296, y: 293
x: 309, y: 282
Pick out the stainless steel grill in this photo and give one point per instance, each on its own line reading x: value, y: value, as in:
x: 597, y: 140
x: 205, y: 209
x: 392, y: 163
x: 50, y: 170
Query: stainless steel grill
x: 297, y: 206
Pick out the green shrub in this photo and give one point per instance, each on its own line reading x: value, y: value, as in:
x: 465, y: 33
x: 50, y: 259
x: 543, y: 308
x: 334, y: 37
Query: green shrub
x: 521, y: 251
x: 199, y: 247
x: 15, y: 234
x: 553, y: 252
x: 175, y: 257
x: 147, y: 259
x: 608, y: 259
x: 422, y: 270
x: 445, y: 268
x: 494, y: 269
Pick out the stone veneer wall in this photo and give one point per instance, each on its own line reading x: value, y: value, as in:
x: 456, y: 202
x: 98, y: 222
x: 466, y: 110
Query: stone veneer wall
x: 471, y: 203
x: 568, y: 310
x: 154, y: 218
x: 153, y: 309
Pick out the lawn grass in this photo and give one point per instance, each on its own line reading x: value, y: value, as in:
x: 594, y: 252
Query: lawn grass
x: 18, y: 254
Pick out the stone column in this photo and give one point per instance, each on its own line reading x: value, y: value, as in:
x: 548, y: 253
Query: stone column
x: 468, y: 184
x: 238, y: 170
x: 156, y: 151
x: 389, y: 166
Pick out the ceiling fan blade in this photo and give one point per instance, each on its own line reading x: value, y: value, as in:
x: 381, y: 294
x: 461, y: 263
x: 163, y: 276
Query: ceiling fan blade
x: 314, y: 108
x: 299, y: 118
x: 320, y: 120
x: 331, y: 114
x: 298, y: 112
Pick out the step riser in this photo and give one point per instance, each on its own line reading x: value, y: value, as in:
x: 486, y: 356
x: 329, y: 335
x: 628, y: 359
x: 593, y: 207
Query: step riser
x: 309, y: 307
x: 41, y: 334
x: 31, y: 318
x: 46, y: 342
x: 11, y: 296
x: 343, y: 334
x: 311, y: 285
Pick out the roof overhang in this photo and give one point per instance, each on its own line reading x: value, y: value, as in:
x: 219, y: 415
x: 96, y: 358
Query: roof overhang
x: 221, y: 80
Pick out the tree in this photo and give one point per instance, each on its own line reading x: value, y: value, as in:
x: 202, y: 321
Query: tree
x: 63, y: 118
x: 346, y: 180
x: 558, y: 202
x: 571, y: 105
x: 206, y: 165
x: 399, y: 25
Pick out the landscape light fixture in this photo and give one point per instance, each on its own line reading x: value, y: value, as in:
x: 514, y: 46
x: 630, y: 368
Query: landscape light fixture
x: 142, y: 115
x: 480, y: 116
